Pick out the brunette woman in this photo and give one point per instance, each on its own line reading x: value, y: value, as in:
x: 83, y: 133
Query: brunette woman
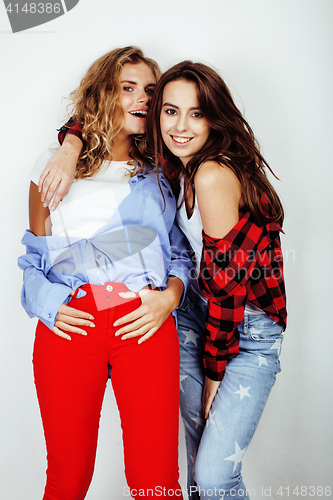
x: 103, y: 253
x: 230, y: 328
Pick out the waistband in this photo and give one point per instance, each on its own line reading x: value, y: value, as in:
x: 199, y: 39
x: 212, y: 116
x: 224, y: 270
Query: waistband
x: 111, y: 294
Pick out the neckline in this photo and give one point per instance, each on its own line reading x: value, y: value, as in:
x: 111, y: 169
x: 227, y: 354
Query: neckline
x: 181, y: 195
x: 117, y: 161
x: 194, y: 213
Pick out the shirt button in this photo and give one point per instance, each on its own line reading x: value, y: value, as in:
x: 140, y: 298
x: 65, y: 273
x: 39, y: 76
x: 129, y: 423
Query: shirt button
x: 109, y: 288
x: 49, y: 315
x: 98, y: 256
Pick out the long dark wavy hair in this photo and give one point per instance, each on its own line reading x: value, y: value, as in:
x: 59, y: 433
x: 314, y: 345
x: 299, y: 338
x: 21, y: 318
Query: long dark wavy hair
x: 231, y: 141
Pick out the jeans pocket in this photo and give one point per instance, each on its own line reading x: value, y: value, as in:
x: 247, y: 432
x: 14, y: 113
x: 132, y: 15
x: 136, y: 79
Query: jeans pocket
x: 266, y: 337
x: 186, y: 304
x: 264, y: 329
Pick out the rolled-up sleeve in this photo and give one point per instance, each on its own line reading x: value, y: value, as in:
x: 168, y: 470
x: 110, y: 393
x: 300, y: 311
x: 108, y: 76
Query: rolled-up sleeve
x: 71, y: 127
x: 40, y: 297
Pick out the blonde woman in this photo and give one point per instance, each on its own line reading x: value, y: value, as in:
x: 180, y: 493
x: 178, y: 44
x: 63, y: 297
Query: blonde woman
x: 110, y: 248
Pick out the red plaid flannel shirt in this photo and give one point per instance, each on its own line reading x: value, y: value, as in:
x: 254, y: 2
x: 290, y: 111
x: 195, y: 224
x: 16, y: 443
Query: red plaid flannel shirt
x: 245, y: 265
x: 71, y: 127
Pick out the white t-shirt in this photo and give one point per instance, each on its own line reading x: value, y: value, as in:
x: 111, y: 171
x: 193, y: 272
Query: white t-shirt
x: 191, y: 227
x: 91, y: 202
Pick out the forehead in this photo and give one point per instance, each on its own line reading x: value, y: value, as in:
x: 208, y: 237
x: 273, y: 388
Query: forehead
x: 182, y: 93
x: 137, y: 73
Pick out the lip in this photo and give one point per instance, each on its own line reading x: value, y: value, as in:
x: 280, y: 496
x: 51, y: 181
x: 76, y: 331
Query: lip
x: 180, y: 144
x: 139, y: 110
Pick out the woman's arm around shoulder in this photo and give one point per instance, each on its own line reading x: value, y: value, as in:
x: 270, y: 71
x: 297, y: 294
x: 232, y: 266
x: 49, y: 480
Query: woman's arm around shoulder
x: 218, y: 193
x: 58, y: 175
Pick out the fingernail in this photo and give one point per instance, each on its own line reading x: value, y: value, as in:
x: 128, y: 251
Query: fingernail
x: 83, y: 333
x: 124, y: 337
x: 39, y: 189
x: 44, y: 205
x: 92, y: 325
x: 115, y: 323
x: 43, y: 197
x: 91, y: 317
x: 52, y: 208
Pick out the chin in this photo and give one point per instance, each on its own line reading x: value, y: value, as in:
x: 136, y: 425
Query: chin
x: 139, y: 131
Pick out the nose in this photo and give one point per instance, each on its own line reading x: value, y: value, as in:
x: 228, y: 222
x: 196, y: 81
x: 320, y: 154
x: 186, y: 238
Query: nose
x: 142, y: 96
x: 182, y: 124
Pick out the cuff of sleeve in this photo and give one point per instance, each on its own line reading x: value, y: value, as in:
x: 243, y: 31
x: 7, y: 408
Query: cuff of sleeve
x: 47, y: 313
x: 178, y: 274
x: 71, y: 127
x: 210, y: 369
x: 63, y: 131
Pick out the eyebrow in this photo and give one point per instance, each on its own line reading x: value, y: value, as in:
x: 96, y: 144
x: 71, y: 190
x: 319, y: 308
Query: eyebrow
x: 135, y: 83
x: 174, y: 106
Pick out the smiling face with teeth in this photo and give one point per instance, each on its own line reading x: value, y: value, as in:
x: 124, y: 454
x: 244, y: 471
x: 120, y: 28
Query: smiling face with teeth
x: 137, y: 86
x: 184, y: 129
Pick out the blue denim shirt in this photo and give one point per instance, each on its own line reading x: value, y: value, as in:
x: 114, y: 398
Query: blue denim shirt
x: 141, y: 244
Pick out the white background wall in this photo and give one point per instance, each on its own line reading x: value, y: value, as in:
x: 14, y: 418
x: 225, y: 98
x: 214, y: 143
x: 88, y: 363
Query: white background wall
x: 276, y: 56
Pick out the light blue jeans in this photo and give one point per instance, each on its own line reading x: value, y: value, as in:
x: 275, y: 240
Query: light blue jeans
x: 215, y: 448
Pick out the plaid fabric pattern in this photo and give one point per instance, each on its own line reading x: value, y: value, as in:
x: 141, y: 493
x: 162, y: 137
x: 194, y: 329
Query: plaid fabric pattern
x: 245, y: 265
x: 71, y: 127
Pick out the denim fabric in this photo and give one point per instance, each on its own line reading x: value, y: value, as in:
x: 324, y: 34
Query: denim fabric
x: 215, y: 448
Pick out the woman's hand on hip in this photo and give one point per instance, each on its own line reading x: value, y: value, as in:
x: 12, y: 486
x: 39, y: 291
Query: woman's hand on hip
x: 71, y: 320
x: 147, y: 319
x: 209, y: 392
x: 155, y: 309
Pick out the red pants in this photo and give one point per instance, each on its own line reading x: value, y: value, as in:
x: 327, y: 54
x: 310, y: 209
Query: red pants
x: 71, y: 377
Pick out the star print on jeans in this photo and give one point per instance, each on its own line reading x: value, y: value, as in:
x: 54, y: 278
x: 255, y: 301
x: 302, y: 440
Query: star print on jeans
x: 277, y: 345
x: 191, y: 336
x: 182, y: 377
x: 199, y: 421
x: 262, y: 361
x: 237, y: 456
x: 210, y: 419
x: 243, y: 391
x: 193, y: 459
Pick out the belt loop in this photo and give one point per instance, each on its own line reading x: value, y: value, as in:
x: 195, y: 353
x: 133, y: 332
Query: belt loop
x: 245, y: 324
x: 76, y: 292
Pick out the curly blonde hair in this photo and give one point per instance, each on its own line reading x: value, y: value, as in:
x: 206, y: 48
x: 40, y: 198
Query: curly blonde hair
x: 96, y: 106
